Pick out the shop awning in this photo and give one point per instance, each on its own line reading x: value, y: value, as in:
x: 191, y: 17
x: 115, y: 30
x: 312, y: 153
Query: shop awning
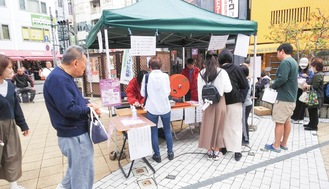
x: 16, y: 58
x: 38, y: 58
x: 264, y: 48
x: 29, y: 55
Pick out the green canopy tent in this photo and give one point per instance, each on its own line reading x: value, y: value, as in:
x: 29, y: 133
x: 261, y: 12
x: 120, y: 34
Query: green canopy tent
x: 176, y: 23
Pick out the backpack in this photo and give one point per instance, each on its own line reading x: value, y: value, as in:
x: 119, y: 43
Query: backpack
x: 326, y: 92
x: 146, y: 81
x: 210, y: 92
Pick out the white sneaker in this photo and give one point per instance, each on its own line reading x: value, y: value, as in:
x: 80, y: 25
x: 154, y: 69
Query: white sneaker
x: 60, y: 186
x: 217, y: 156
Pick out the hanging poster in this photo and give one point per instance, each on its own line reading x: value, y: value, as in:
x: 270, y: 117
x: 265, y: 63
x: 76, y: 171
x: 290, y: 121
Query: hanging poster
x: 142, y: 45
x: 110, y: 92
x: 217, y: 42
x: 127, y: 67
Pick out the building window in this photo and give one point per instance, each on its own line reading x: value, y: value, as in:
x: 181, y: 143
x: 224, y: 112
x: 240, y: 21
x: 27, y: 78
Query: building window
x: 4, y: 32
x: 33, y: 6
x: 25, y: 34
x: 35, y: 34
x: 301, y: 14
x: 60, y: 3
x: 22, y: 4
x: 3, y: 3
x: 43, y: 8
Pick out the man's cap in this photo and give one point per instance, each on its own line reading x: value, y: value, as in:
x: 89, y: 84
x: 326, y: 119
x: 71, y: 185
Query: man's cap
x: 303, y: 62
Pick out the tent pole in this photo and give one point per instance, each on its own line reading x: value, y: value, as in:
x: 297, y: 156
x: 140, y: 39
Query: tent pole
x: 108, y: 74
x: 183, y: 58
x: 90, y: 80
x: 254, y: 81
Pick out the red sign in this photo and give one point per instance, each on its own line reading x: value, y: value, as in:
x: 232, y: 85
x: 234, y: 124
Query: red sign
x: 218, y: 6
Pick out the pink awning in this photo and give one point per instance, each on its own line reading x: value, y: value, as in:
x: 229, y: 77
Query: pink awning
x: 15, y: 58
x: 29, y: 55
x: 38, y: 58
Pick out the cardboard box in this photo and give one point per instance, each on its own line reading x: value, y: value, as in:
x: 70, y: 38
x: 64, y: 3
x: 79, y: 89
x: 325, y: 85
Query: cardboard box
x: 261, y: 111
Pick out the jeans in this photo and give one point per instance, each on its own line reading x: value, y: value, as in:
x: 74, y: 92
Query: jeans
x: 79, y: 151
x: 165, y: 118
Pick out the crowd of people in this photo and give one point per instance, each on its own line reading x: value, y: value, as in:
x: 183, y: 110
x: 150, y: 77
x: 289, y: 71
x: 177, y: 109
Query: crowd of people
x: 224, y: 124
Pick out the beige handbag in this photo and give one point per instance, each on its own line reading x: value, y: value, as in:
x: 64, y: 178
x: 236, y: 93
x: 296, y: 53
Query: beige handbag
x: 304, y: 97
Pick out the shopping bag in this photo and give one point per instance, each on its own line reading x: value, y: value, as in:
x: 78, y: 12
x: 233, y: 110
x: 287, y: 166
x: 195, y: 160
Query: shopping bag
x: 313, y: 100
x: 304, y: 97
x: 301, y: 82
x: 97, y: 131
x: 269, y: 95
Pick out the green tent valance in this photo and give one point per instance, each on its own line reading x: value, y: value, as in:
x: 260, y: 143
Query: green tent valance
x: 176, y: 23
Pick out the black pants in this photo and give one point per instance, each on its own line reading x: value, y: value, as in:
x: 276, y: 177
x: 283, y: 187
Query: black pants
x: 245, y: 129
x: 188, y: 96
x: 314, y: 117
x: 299, y: 110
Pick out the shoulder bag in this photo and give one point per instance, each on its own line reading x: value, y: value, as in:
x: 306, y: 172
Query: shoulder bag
x: 97, y: 131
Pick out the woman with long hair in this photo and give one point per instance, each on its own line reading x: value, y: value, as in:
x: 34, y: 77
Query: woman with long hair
x: 211, y: 133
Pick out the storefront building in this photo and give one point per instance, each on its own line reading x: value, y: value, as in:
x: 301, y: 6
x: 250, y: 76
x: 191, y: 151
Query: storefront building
x: 265, y: 12
x: 25, y: 32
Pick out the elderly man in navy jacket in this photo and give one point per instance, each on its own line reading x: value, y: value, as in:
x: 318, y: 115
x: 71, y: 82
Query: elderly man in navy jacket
x: 68, y: 112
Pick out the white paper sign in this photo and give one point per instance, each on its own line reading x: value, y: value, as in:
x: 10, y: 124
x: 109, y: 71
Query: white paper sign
x: 189, y: 115
x: 269, y: 95
x: 257, y: 65
x: 176, y: 114
x: 139, y: 138
x: 217, y: 42
x: 242, y: 45
x: 131, y: 121
x: 143, y: 45
x: 199, y: 114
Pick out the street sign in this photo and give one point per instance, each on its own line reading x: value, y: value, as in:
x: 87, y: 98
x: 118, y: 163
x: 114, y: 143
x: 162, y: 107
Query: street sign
x: 46, y: 38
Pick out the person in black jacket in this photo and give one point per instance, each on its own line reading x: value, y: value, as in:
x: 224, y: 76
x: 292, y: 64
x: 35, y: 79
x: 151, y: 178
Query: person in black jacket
x: 234, y: 109
x: 10, y: 116
x: 260, y: 86
x: 22, y: 80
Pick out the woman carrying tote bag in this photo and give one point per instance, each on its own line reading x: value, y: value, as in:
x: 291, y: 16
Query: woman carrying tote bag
x: 316, y: 83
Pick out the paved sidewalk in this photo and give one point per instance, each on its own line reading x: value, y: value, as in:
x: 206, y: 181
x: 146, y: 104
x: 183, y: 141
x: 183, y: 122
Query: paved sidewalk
x: 302, y: 166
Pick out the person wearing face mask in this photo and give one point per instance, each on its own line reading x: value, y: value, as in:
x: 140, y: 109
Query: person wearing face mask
x: 315, y: 83
x: 303, y: 76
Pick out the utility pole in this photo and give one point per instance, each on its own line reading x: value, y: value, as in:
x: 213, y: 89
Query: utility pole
x: 53, y: 37
x: 74, y: 23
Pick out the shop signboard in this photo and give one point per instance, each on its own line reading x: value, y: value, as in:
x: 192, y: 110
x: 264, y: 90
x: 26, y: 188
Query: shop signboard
x: 227, y: 7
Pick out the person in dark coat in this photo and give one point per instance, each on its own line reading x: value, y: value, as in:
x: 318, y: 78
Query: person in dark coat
x: 22, y: 80
x: 10, y: 116
x: 234, y: 108
x: 315, y: 83
x: 260, y: 86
